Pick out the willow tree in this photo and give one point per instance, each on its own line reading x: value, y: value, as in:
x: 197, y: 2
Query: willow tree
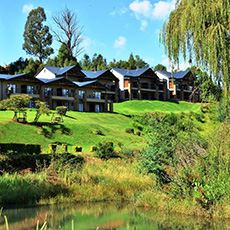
x: 200, y: 30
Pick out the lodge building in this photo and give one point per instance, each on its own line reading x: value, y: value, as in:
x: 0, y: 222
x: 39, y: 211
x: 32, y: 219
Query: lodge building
x: 95, y: 91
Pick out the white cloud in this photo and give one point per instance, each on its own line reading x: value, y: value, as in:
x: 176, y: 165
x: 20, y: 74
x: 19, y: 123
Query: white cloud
x: 162, y: 9
x: 120, y: 42
x: 27, y: 8
x: 145, y: 10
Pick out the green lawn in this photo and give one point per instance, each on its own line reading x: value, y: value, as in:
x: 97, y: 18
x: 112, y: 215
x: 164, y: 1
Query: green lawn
x: 136, y: 107
x: 79, y: 128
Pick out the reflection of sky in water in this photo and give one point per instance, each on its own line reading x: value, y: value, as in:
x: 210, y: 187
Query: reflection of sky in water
x: 101, y: 216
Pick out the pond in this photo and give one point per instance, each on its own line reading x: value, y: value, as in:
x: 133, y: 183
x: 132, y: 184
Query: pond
x: 101, y: 216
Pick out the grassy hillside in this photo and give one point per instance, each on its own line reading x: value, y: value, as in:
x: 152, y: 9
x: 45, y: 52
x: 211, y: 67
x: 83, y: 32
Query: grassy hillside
x: 82, y: 129
x: 135, y: 107
x: 78, y: 129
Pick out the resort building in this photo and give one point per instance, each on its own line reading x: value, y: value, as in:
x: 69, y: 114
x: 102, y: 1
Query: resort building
x: 180, y: 85
x: 140, y: 84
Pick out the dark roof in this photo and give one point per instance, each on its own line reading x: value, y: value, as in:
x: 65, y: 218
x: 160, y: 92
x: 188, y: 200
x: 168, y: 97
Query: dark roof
x: 176, y: 75
x: 45, y: 80
x: 93, y: 74
x: 59, y: 70
x: 82, y: 84
x: 9, y: 76
x: 131, y: 73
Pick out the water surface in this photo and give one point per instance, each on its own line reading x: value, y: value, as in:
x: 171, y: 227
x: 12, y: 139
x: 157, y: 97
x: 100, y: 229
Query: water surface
x: 102, y: 216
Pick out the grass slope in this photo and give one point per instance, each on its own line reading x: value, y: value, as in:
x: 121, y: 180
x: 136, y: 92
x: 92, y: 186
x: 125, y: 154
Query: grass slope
x: 78, y: 129
x: 136, y: 107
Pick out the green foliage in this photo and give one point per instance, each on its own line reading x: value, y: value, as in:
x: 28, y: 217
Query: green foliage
x: 98, y: 62
x: 18, y: 104
x: 171, y: 136
x: 160, y: 67
x: 41, y: 109
x: 61, y: 110
x: 37, y: 38
x: 192, y: 27
x: 19, y: 149
x: 129, y: 130
x: 105, y: 150
x: 14, y: 188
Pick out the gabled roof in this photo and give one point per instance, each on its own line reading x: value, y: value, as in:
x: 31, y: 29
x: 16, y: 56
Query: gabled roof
x: 176, y: 75
x: 131, y: 73
x: 48, y: 81
x: 94, y: 74
x: 59, y: 70
x: 9, y: 76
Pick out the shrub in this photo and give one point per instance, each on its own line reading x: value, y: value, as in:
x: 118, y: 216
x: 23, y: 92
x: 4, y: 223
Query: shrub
x: 93, y: 148
x: 77, y: 149
x: 138, y: 133
x: 61, y: 110
x: 129, y: 130
x: 19, y: 149
x: 67, y: 160
x: 105, y: 150
x: 98, y: 132
x: 52, y: 148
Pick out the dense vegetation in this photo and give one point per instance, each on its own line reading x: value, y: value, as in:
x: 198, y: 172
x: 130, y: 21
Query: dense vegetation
x: 182, y: 162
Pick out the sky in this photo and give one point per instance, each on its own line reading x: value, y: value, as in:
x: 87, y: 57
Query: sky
x: 114, y: 28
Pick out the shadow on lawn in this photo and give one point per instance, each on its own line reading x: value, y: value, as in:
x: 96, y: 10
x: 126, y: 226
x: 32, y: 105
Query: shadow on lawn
x: 48, y: 129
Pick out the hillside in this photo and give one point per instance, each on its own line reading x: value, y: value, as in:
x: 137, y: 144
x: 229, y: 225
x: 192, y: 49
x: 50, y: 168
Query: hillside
x: 86, y: 129
x: 136, y: 107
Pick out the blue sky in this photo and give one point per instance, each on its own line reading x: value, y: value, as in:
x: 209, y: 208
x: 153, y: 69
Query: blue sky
x: 110, y: 27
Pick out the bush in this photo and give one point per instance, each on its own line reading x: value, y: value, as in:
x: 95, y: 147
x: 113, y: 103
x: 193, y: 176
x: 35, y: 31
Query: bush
x: 19, y: 149
x: 67, y: 160
x: 93, y: 148
x: 98, y: 132
x: 105, y: 150
x: 138, y: 133
x: 129, y: 130
x: 77, y: 149
x: 61, y: 110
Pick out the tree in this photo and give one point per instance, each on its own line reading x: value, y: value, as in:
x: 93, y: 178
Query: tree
x: 201, y: 29
x: 69, y: 33
x: 160, y: 67
x: 37, y: 38
x: 62, y: 59
x: 18, y: 104
x: 41, y: 109
x: 86, y: 62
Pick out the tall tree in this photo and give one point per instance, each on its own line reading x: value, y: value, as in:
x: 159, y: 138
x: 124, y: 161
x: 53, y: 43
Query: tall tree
x: 159, y: 67
x: 69, y: 32
x: 37, y: 38
x: 201, y: 29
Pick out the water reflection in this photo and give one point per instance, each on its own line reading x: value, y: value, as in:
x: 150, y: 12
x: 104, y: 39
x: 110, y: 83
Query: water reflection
x: 102, y: 216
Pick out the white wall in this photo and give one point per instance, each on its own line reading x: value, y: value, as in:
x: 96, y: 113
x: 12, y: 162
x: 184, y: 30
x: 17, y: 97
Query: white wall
x: 46, y: 74
x: 162, y: 77
x: 120, y: 77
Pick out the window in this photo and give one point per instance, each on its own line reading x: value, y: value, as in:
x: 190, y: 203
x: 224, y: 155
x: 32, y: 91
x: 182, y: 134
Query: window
x: 80, y: 107
x: 11, y: 88
x: 81, y: 94
x: 30, y: 89
x: 47, y: 91
x: 97, y: 95
x: 65, y: 92
x: 97, y: 108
